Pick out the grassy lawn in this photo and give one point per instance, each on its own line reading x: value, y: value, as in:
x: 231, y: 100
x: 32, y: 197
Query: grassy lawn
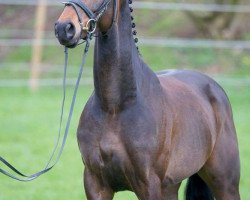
x: 28, y: 125
x: 29, y: 121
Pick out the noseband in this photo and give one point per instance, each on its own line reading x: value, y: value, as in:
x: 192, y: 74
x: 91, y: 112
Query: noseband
x: 94, y: 17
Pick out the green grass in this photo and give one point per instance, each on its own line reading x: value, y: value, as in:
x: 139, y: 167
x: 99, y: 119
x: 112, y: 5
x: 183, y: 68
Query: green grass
x: 29, y: 121
x: 28, y: 125
x: 240, y: 99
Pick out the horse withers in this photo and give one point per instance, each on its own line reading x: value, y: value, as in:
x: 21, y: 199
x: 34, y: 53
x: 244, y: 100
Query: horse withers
x: 147, y: 132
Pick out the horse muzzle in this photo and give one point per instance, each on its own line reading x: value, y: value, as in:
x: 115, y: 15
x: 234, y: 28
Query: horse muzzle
x: 65, y: 32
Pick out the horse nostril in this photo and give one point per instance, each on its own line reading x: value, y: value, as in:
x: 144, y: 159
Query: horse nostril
x: 65, y: 32
x: 70, y: 31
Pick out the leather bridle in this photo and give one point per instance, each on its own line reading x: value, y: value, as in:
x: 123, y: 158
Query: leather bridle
x: 90, y: 26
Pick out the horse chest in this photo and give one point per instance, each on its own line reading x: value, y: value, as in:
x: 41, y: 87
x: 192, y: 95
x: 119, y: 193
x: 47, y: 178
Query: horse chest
x: 110, y: 146
x: 106, y: 141
x: 109, y: 159
x: 109, y: 153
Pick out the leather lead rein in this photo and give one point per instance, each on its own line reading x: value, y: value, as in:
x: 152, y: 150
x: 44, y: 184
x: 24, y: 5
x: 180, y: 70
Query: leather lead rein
x: 49, y: 166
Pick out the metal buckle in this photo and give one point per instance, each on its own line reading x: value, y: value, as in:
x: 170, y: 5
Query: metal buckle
x: 88, y: 26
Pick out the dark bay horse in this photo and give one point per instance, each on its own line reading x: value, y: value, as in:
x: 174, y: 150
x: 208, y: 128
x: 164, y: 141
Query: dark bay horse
x: 147, y: 132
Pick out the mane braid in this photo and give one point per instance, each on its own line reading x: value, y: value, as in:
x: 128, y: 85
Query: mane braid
x: 134, y: 32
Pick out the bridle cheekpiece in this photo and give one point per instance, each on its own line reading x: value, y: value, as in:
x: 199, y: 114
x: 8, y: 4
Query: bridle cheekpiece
x: 94, y: 17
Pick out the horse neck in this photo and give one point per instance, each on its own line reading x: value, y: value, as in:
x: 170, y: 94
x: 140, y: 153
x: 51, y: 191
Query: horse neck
x: 116, y: 62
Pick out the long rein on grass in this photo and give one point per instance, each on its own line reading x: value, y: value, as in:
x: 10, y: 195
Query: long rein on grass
x: 23, y: 177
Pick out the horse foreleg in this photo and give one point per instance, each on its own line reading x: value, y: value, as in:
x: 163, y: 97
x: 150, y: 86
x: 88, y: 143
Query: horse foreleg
x: 95, y: 188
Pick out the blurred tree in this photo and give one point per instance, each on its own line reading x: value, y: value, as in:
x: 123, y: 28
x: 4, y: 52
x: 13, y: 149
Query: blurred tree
x: 214, y: 24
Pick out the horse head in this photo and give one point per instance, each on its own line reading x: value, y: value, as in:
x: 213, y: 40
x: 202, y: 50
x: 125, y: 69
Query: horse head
x: 80, y: 18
